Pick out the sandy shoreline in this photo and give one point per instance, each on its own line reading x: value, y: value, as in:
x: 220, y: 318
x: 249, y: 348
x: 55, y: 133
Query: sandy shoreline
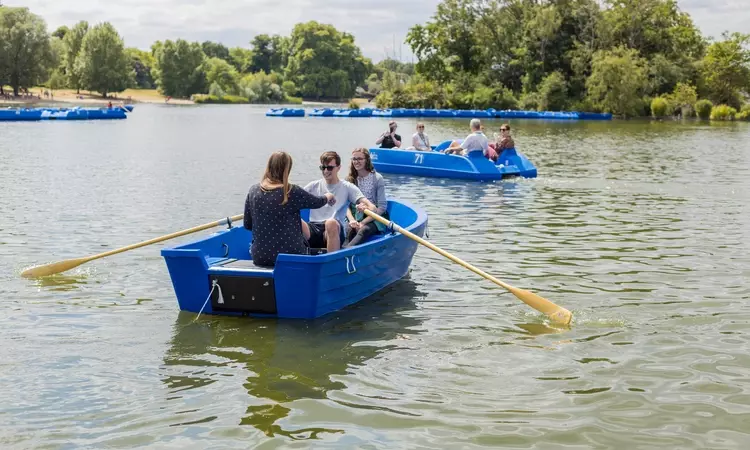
x: 68, y: 96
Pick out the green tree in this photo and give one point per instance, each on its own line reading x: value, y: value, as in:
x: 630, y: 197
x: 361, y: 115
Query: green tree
x: 179, y: 70
x: 60, y: 32
x: 324, y: 62
x: 267, y: 53
x: 25, y: 52
x: 215, y: 50
x: 142, y: 63
x: 553, y: 92
x: 448, y: 43
x: 726, y: 69
x: 103, y: 65
x: 618, y: 81
x: 684, y: 97
x: 241, y: 59
x: 73, y: 40
x: 222, y: 74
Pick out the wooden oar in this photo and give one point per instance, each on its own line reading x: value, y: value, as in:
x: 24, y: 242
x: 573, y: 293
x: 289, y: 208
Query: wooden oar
x: 62, y: 266
x: 556, y: 313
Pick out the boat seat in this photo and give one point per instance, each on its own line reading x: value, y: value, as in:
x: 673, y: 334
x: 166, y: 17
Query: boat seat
x: 218, y: 261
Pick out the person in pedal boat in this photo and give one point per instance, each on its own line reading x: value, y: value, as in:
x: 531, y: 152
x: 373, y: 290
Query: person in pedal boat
x: 474, y: 141
x: 420, y: 141
x: 272, y: 212
x: 327, y: 224
x: 389, y: 139
x: 363, y: 175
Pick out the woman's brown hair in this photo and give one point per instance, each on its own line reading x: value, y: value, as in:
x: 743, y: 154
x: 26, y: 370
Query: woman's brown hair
x: 277, y: 172
x: 352, y: 178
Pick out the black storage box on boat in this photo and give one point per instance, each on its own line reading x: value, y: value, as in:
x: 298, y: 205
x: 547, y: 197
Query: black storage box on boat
x: 245, y: 294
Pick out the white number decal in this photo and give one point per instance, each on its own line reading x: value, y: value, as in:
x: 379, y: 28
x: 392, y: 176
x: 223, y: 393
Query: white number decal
x: 418, y: 158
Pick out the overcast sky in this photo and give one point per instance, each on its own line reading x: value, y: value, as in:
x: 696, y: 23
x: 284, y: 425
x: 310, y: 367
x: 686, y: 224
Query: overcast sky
x: 374, y: 23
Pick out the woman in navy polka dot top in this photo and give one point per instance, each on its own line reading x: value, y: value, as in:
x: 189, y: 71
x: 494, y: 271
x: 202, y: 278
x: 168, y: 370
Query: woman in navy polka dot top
x: 272, y: 212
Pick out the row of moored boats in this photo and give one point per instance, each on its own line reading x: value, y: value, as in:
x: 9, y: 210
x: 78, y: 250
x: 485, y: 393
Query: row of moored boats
x: 437, y: 113
x: 74, y: 113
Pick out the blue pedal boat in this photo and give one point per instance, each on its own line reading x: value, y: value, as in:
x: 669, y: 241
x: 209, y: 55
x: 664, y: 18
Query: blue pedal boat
x: 215, y: 275
x: 286, y: 112
x: 474, y: 166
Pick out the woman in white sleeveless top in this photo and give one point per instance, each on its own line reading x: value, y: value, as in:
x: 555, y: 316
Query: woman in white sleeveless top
x: 420, y: 141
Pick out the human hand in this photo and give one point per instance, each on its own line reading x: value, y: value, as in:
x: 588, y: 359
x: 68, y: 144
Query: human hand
x: 355, y: 225
x: 331, y: 199
x: 361, y: 207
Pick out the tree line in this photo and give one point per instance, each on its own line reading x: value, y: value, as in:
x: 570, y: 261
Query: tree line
x: 316, y: 61
x: 627, y: 57
x: 617, y: 56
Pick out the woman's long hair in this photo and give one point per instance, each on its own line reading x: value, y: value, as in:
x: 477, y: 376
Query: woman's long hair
x: 352, y: 178
x: 277, y: 172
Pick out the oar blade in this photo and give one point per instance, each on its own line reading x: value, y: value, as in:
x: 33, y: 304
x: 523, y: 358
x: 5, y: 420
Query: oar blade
x: 556, y: 313
x: 51, y: 269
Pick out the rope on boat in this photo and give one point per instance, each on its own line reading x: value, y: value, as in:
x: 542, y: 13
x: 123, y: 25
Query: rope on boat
x: 220, y: 300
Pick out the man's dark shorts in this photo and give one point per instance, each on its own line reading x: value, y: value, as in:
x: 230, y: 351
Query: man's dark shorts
x: 318, y: 232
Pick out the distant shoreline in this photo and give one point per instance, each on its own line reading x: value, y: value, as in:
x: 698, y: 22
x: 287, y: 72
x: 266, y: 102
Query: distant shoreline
x: 129, y: 96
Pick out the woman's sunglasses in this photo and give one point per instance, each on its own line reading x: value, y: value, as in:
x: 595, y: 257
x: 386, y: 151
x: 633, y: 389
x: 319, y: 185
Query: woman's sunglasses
x: 322, y: 168
x: 358, y: 159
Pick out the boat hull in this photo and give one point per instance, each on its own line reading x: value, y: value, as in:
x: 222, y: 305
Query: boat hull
x: 474, y: 166
x: 38, y: 114
x: 299, y: 286
x: 285, y: 112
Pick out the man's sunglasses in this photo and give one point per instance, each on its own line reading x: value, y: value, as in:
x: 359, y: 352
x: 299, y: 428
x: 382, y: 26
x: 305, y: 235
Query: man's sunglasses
x: 322, y: 168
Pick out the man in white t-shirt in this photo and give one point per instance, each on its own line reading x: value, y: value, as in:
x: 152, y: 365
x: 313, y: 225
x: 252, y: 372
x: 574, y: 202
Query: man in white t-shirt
x: 327, y: 224
x: 475, y: 141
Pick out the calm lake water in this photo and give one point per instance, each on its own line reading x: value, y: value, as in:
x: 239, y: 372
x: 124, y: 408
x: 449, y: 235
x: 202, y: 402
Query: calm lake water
x: 641, y: 229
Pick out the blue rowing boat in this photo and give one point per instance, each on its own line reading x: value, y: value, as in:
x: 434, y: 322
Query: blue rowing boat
x: 474, y: 166
x: 216, y: 275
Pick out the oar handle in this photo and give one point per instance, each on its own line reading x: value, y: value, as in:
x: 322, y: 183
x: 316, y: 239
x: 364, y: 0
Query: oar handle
x: 168, y: 236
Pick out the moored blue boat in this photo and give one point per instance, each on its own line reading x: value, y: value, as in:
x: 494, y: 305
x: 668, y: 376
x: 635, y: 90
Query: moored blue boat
x: 286, y: 112
x: 474, y: 166
x: 321, y: 112
x: 215, y: 275
x: 76, y: 113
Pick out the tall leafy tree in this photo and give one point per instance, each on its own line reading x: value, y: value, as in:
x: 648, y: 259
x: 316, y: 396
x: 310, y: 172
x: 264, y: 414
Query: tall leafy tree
x: 215, y: 50
x: 180, y: 69
x: 324, y: 62
x: 25, y: 52
x: 142, y: 63
x: 60, y: 32
x: 73, y: 41
x: 726, y: 69
x: 268, y: 53
x: 241, y: 59
x: 618, y: 81
x: 102, y: 64
x: 223, y: 74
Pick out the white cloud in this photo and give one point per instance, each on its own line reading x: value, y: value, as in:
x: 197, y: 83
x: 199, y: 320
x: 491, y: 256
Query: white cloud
x: 374, y: 23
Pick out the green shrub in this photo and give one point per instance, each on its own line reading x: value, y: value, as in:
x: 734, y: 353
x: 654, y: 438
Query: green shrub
x: 703, y: 109
x: 226, y: 99
x: 723, y: 112
x: 529, y: 101
x: 659, y: 106
x: 743, y: 115
x: 294, y: 100
x: 553, y: 93
x: 289, y: 88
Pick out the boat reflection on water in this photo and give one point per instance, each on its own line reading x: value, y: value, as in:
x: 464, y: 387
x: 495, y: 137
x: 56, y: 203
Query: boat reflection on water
x: 285, y: 360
